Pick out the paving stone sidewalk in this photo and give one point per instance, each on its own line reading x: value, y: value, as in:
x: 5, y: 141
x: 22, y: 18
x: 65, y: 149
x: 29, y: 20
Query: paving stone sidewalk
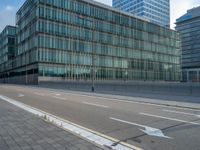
x: 21, y: 130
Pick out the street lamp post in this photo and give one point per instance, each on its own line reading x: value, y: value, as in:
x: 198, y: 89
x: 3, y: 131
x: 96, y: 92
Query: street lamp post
x: 26, y: 68
x: 93, y: 69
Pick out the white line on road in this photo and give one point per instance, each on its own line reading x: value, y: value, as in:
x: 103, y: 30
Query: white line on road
x: 184, y: 113
x: 20, y: 95
x: 173, y: 119
x: 40, y: 94
x: 94, y: 104
x: 148, y: 130
x: 64, y: 99
x: 60, y: 98
x: 135, y: 101
x: 57, y: 94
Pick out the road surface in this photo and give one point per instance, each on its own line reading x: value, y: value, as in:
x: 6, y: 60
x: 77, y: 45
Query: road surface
x: 147, y: 126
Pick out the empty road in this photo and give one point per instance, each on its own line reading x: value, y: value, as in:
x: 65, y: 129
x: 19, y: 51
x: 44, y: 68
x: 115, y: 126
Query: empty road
x: 147, y: 126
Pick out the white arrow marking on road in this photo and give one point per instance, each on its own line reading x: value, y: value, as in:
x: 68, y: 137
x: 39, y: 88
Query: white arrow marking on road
x: 20, y: 95
x: 178, y: 112
x: 148, y: 130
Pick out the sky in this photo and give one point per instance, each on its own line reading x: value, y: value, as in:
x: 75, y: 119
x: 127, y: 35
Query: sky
x: 8, y: 8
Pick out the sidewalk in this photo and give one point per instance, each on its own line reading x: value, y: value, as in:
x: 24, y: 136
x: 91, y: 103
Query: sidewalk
x: 20, y: 130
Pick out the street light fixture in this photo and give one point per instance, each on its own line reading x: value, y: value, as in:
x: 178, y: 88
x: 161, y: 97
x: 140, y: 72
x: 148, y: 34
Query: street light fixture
x: 93, y: 59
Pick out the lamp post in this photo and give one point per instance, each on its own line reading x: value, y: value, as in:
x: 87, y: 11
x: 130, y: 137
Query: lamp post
x: 93, y: 65
x: 26, y: 68
x: 93, y: 55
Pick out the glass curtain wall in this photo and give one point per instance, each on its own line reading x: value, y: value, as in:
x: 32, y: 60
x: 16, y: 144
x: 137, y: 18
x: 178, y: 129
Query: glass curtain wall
x: 124, y: 48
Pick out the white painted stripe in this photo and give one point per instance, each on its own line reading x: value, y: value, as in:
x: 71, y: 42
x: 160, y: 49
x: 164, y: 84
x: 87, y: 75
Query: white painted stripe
x: 127, y: 122
x: 124, y: 100
x: 57, y: 94
x: 39, y: 94
x: 94, y: 104
x: 116, y: 99
x: 64, y: 99
x: 60, y: 98
x: 20, y: 95
x: 88, y: 134
x: 167, y: 118
x: 184, y: 113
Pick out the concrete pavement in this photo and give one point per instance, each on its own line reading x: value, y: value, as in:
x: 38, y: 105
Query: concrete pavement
x: 144, y: 125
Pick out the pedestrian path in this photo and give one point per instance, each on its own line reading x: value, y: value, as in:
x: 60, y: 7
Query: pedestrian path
x: 21, y: 130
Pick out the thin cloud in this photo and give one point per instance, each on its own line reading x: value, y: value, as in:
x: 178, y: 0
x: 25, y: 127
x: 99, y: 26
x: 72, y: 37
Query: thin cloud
x: 7, y: 16
x: 179, y: 8
x: 10, y: 8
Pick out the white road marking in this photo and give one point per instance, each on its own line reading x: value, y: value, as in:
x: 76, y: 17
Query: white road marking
x: 40, y: 94
x: 86, y: 133
x: 184, y: 113
x: 116, y: 99
x: 94, y: 104
x: 148, y: 130
x: 64, y: 99
x: 167, y: 118
x: 20, y: 95
x: 60, y: 98
x: 57, y: 94
x: 125, y: 100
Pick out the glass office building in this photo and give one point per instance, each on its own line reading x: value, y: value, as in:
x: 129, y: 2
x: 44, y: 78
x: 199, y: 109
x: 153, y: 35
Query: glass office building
x: 8, y: 47
x: 189, y: 27
x: 157, y: 11
x: 70, y: 40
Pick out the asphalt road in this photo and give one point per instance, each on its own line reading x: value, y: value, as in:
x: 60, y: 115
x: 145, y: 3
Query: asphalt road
x: 150, y: 127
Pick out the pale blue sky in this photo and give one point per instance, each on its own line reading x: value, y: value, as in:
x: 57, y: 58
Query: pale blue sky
x: 8, y: 9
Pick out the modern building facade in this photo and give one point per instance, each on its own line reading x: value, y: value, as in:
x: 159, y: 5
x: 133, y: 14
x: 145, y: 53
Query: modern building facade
x: 157, y: 11
x: 189, y: 27
x: 8, y: 49
x: 78, y: 40
x: 7, y: 44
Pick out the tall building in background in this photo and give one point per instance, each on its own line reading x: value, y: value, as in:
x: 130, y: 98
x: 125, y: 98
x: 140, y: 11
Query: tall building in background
x: 82, y: 40
x: 189, y: 27
x: 157, y: 11
x: 8, y: 48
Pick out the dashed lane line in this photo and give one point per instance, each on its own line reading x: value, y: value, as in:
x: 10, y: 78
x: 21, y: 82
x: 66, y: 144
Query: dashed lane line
x: 94, y: 104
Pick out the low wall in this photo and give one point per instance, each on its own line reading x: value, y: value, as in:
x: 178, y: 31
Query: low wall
x: 29, y: 79
x: 173, y: 88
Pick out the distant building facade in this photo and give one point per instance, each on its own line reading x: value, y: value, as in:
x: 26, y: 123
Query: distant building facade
x: 189, y: 27
x: 157, y: 11
x: 8, y: 47
x: 71, y: 40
